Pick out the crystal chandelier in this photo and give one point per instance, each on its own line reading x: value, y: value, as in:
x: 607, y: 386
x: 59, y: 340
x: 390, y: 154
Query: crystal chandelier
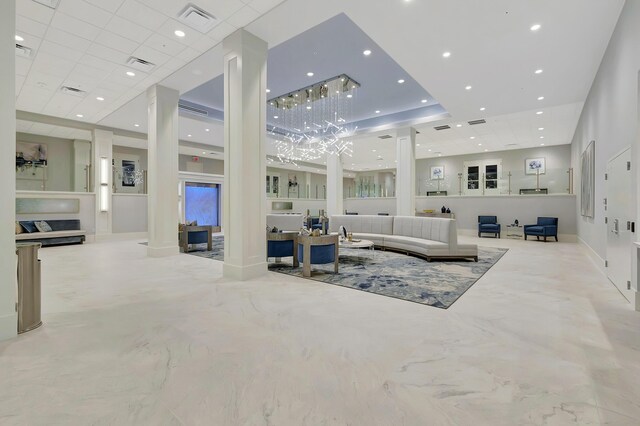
x: 315, y: 121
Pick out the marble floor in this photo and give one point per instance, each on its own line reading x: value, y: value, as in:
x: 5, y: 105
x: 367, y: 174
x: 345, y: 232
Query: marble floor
x: 541, y: 339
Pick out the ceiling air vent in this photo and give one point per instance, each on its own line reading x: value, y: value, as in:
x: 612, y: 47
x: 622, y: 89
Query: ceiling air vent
x: 474, y: 122
x: 140, y: 64
x: 385, y: 137
x: 445, y: 127
x: 193, y: 110
x: 23, y: 51
x: 197, y: 18
x: 74, y: 91
x: 49, y: 3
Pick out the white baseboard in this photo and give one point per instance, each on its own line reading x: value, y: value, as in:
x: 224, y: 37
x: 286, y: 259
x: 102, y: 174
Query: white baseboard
x: 119, y: 236
x: 597, y: 260
x: 8, y: 327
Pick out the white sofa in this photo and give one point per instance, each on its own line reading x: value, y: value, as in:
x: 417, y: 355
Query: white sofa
x: 425, y: 236
x: 285, y: 222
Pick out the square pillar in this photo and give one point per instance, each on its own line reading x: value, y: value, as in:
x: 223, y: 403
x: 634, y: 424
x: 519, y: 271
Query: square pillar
x: 103, y: 180
x: 162, y: 173
x: 406, y: 172
x: 245, y: 133
x: 8, y: 317
x: 335, y: 190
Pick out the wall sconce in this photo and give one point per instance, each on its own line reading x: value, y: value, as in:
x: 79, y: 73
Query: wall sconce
x: 104, y: 184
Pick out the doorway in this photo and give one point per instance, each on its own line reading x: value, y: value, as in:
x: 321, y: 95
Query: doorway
x: 619, y: 186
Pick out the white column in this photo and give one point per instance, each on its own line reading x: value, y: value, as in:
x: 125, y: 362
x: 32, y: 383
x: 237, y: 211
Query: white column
x: 103, y: 180
x: 406, y: 172
x: 162, y: 175
x: 335, y: 173
x: 8, y: 319
x: 245, y: 84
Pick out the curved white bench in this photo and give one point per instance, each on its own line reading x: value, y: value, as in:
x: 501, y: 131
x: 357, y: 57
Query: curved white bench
x: 425, y: 236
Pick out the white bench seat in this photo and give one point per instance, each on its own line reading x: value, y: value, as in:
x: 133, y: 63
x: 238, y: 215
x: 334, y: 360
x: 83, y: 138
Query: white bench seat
x: 52, y: 234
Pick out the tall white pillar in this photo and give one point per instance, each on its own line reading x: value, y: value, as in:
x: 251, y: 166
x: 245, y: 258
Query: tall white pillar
x: 406, y: 172
x: 103, y: 180
x: 8, y: 319
x: 162, y: 173
x: 335, y: 194
x: 245, y: 132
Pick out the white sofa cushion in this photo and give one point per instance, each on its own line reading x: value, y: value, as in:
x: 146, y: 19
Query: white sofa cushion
x: 52, y: 234
x: 428, y: 228
x: 285, y: 222
x: 368, y: 224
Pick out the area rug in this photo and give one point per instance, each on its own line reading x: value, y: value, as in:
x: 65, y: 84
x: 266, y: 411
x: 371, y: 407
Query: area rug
x: 437, y: 283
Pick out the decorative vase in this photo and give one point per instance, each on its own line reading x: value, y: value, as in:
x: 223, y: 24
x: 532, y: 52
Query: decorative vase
x: 443, y: 209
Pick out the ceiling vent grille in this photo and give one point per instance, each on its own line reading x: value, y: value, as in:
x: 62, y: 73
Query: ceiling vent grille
x: 193, y: 110
x: 74, y: 91
x: 474, y: 122
x: 197, y: 18
x: 385, y: 137
x: 445, y: 127
x: 49, y: 3
x: 140, y: 64
x: 23, y: 51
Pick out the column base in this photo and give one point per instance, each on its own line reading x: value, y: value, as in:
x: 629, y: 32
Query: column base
x: 8, y: 327
x: 163, y: 251
x: 244, y: 273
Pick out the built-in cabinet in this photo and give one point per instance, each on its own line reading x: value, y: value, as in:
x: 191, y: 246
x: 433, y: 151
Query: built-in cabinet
x: 482, y: 177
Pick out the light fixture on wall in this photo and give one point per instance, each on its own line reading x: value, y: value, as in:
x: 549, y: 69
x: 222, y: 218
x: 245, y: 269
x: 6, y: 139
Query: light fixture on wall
x: 306, y: 133
x: 105, y: 170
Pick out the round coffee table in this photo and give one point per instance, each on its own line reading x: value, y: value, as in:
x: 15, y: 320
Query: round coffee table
x: 358, y: 244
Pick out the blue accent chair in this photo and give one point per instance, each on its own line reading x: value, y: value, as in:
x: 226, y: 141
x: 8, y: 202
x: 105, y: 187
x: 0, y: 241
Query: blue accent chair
x: 545, y: 227
x: 488, y: 225
x: 282, y: 244
x: 317, y: 251
x: 315, y: 223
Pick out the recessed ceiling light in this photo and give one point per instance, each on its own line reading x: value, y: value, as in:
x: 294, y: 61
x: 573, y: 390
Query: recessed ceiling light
x: 439, y: 155
x: 268, y: 90
x: 472, y: 137
x: 540, y: 128
x: 309, y: 74
x: 417, y: 144
x: 373, y: 150
x: 275, y: 116
x: 309, y: 107
x: 535, y: 27
x: 538, y: 71
x: 131, y: 73
x: 377, y: 111
x: 482, y: 109
x: 429, y: 150
x: 424, y: 101
x: 18, y: 38
x: 479, y: 144
x: 541, y: 137
x: 79, y: 115
x: 366, y: 52
x: 204, y: 152
x: 100, y: 98
x: 349, y: 96
x: 458, y: 125
x: 179, y: 33
x: 467, y: 88
x: 206, y: 130
x: 446, y: 54
x: 400, y: 81
x: 541, y: 144
x: 540, y: 98
x: 540, y: 112
x: 188, y: 136
x: 136, y: 125
x: 486, y: 150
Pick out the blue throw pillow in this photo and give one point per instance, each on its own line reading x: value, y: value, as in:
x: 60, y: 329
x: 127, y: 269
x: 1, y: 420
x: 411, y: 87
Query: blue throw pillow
x: 29, y: 226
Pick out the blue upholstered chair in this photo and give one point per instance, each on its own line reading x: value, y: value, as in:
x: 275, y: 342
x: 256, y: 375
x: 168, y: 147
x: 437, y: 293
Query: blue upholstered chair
x: 545, y: 227
x: 488, y: 225
x: 282, y: 244
x: 317, y: 251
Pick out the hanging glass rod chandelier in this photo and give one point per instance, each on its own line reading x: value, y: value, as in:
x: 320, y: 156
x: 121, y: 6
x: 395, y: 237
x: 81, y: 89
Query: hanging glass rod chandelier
x: 315, y: 121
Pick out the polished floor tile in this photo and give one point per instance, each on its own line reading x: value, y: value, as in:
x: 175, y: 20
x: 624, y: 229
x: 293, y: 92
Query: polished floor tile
x: 542, y: 338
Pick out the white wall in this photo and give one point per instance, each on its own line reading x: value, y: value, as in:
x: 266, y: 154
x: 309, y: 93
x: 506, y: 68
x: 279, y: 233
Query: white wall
x: 129, y: 213
x: 371, y: 205
x: 610, y: 118
x: 60, y: 166
x: 87, y: 214
x: 209, y: 165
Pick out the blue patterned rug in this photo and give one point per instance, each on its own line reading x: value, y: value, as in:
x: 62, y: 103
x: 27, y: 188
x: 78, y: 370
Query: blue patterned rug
x: 437, y: 283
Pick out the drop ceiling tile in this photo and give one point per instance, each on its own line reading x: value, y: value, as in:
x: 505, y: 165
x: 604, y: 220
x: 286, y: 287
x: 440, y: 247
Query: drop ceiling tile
x: 95, y: 62
x: 108, y: 5
x: 23, y: 65
x: 220, y: 31
x: 35, y: 94
x: 25, y: 26
x: 128, y: 29
x: 263, y: 6
x: 67, y: 40
x: 243, y: 17
x: 107, y: 38
x: 44, y: 81
x: 188, y: 54
x: 141, y: 14
x: 151, y: 55
x: 204, y: 44
x: 81, y: 81
x: 221, y: 10
x: 20, y: 79
x: 89, y: 71
x: 164, y: 45
x: 108, y: 54
x: 70, y: 24
x: 35, y: 11
x: 169, y: 27
x: 51, y: 64
x: 120, y: 77
x: 84, y: 11
x: 60, y: 51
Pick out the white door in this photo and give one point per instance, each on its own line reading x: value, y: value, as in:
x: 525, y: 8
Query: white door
x: 619, y: 218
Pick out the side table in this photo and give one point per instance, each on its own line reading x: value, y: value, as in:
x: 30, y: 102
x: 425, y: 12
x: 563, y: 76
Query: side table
x: 515, y: 231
